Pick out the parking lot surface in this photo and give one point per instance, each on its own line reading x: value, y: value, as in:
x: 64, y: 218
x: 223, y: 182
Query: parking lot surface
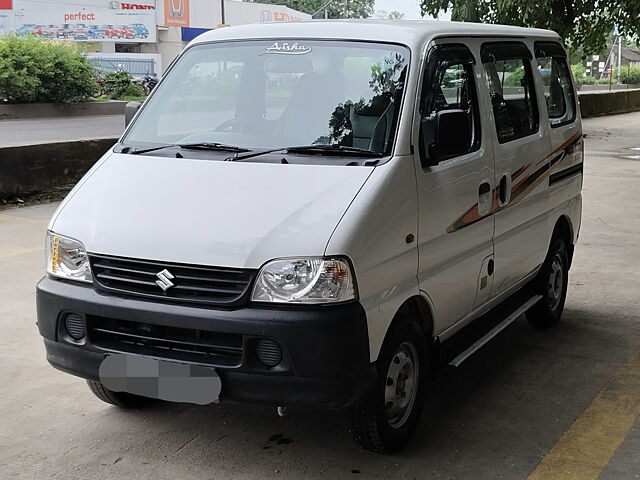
x: 556, y: 404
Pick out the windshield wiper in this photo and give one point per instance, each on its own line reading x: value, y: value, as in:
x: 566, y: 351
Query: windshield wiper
x: 313, y: 150
x: 221, y: 147
x: 334, y: 150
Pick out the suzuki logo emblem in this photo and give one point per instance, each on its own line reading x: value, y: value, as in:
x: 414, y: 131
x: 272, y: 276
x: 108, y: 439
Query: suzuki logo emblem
x: 165, y: 282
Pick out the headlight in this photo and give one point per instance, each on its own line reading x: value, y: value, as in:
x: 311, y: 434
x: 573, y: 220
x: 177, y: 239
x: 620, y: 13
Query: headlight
x: 305, y: 280
x: 67, y: 258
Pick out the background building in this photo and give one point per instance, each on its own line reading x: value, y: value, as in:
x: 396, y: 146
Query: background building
x: 140, y: 36
x: 630, y: 56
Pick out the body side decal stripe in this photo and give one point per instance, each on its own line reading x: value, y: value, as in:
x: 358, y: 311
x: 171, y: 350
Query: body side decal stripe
x: 526, y: 184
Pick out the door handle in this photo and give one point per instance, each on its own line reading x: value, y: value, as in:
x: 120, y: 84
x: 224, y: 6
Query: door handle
x: 504, y: 190
x: 484, y: 198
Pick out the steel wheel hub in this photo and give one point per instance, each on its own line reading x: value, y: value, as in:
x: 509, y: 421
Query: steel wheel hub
x: 401, y: 385
x: 556, y: 281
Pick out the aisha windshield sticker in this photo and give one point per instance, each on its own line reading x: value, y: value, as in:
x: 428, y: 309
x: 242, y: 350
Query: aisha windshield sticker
x: 286, y: 48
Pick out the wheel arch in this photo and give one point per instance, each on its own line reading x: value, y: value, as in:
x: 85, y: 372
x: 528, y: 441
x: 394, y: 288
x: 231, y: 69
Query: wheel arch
x: 564, y: 229
x: 416, y: 307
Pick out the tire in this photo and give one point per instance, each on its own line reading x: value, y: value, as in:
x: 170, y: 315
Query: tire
x: 551, y: 283
x: 120, y: 399
x: 371, y: 423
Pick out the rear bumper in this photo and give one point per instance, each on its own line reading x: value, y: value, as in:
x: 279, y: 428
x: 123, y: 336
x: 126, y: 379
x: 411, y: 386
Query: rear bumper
x: 325, y: 353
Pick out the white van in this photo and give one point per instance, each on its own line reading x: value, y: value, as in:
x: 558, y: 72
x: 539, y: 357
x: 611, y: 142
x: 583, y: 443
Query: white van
x: 305, y: 213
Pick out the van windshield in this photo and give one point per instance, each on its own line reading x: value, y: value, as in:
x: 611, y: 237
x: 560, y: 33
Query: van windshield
x: 275, y: 93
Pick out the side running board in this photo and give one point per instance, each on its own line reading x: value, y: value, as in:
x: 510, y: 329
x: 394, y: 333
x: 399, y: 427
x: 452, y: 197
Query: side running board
x: 495, y: 331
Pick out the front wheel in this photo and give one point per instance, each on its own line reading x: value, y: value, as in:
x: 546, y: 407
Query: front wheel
x: 385, y: 420
x: 551, y: 283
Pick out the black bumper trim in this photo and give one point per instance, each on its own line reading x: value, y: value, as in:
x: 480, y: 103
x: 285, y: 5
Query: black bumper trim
x: 325, y: 348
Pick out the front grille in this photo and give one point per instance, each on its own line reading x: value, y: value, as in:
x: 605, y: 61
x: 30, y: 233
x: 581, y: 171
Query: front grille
x: 185, y: 283
x: 202, y: 346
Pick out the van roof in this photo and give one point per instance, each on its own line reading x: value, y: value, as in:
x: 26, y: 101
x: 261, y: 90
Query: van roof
x: 412, y: 33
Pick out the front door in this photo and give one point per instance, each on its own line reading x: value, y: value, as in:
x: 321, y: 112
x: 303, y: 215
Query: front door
x: 454, y: 191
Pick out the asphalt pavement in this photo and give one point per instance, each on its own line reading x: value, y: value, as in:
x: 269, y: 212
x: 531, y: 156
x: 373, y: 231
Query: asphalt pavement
x: 46, y: 130
x: 557, y: 404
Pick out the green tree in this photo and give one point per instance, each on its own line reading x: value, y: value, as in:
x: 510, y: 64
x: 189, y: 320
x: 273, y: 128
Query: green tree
x: 385, y: 15
x: 515, y: 78
x: 581, y: 23
x: 335, y: 9
x: 395, y: 15
x: 629, y: 75
x: 116, y: 84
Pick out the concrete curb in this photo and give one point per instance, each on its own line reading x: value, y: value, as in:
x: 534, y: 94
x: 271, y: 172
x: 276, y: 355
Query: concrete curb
x: 54, y: 110
x: 34, y: 169
x: 610, y: 103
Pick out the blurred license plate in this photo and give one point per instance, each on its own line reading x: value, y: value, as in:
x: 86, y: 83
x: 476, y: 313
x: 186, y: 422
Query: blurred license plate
x: 165, y: 380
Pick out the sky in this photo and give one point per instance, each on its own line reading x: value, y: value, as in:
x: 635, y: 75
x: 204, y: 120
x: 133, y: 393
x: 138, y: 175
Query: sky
x: 410, y: 8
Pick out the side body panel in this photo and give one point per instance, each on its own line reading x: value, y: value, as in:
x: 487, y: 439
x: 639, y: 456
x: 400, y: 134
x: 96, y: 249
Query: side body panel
x: 521, y: 223
x: 566, y: 173
x: 551, y: 191
x: 373, y: 233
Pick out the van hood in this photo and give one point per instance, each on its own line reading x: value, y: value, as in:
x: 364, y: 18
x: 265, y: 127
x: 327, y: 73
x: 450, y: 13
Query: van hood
x: 207, y: 212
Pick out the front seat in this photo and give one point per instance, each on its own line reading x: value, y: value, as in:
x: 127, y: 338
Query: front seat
x: 314, y: 99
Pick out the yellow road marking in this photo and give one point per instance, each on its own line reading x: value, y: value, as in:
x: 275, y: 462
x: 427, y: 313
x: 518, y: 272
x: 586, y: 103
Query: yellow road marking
x: 587, y: 447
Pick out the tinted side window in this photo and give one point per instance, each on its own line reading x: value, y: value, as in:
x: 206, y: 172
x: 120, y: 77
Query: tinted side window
x: 510, y: 79
x: 558, y: 88
x: 449, y: 85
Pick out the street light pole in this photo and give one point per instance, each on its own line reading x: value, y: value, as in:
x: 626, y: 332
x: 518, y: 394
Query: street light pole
x: 619, y: 57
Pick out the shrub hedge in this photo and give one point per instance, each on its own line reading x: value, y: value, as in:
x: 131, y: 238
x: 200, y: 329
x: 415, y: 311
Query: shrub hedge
x: 36, y: 70
x: 630, y: 75
x: 116, y: 84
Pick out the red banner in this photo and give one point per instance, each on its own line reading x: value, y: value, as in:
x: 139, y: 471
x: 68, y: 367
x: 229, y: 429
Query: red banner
x: 6, y: 4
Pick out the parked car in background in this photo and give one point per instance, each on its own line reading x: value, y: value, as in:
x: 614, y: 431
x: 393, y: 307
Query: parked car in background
x: 26, y: 29
x: 127, y: 31
x: 95, y: 32
x: 49, y: 31
x: 64, y: 31
x: 80, y: 32
x: 37, y: 30
x: 141, y: 30
x: 112, y: 31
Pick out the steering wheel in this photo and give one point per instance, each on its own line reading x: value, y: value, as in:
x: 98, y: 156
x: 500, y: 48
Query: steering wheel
x: 230, y: 125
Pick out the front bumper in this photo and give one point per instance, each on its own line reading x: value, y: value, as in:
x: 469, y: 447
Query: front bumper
x: 325, y: 349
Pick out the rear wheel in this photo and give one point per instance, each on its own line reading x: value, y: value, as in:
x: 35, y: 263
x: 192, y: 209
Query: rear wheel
x: 121, y: 399
x: 551, y: 283
x: 385, y: 420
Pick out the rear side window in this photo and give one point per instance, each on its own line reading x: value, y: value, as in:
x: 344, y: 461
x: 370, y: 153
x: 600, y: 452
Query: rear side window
x: 510, y: 78
x: 558, y: 88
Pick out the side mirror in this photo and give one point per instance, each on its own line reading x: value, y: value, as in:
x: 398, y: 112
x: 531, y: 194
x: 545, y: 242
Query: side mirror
x: 130, y: 110
x: 451, y: 135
